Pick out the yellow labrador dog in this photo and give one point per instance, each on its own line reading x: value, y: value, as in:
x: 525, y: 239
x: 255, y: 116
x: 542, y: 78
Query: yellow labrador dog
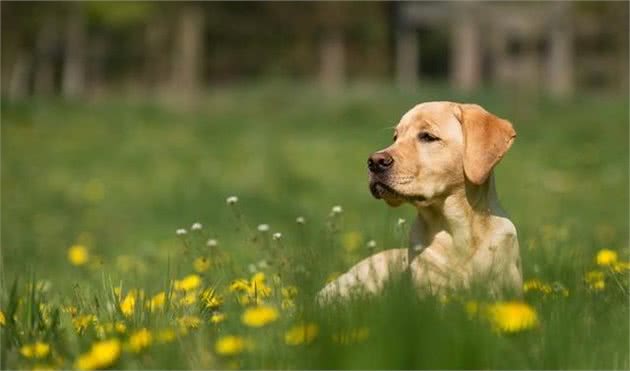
x: 441, y: 163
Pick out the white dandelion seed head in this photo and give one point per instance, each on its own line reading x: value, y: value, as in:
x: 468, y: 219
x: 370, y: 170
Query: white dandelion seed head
x: 300, y: 220
x: 276, y: 236
x: 263, y: 227
x: 181, y: 232
x: 371, y: 243
x: 196, y: 227
x: 212, y: 242
x: 231, y: 200
x: 401, y: 221
x: 337, y: 209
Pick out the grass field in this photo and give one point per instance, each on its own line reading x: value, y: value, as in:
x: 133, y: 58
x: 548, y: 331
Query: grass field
x: 93, y: 193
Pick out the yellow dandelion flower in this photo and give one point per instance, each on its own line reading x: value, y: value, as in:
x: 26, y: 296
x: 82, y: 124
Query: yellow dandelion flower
x: 257, y: 287
x: 217, y: 317
x: 140, y: 340
x: 512, y: 316
x: 595, y: 280
x: 259, y: 316
x: 255, y: 290
x: 189, y: 322
x: 102, y: 355
x: 188, y: 283
x: 287, y: 304
x: 606, y: 257
x: 188, y: 299
x: 157, y: 302
x: 621, y: 267
x: 120, y: 327
x: 109, y: 327
x: 3, y: 320
x: 239, y: 285
x: 351, y: 241
x: 245, y: 300
x: 201, y: 264
x: 352, y: 336
x: 128, y: 305
x: 78, y: 255
x: 44, y: 310
x: 537, y: 285
x: 81, y: 322
x: 35, y: 350
x: 70, y: 309
x: 300, y: 334
x: 229, y: 345
x: 289, y: 292
x: 166, y: 335
x: 211, y: 298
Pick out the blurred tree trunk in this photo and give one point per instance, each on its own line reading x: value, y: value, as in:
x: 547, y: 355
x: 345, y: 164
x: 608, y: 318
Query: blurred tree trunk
x: 561, y: 51
x: 19, y: 75
x: 98, y: 50
x: 466, y: 48
x: 188, y: 49
x: 407, y: 58
x: 73, y: 78
x: 44, y: 79
x: 156, y: 47
x: 332, y: 48
x: 332, y: 64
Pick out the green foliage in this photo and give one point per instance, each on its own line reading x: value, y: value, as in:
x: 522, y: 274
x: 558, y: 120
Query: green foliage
x: 120, y: 15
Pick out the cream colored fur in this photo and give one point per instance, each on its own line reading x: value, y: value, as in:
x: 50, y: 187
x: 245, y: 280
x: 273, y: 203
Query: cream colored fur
x: 461, y: 236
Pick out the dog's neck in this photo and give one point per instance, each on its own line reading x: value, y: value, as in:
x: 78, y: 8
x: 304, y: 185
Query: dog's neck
x: 458, y: 221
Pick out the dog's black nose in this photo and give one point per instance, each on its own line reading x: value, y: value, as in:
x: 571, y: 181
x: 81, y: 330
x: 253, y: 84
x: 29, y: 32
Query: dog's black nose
x: 380, y: 162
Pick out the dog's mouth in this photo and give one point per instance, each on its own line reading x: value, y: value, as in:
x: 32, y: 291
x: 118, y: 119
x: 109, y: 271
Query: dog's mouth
x: 381, y: 190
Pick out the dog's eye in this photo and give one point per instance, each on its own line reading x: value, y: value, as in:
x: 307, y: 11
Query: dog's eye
x: 427, y: 137
x: 395, y: 137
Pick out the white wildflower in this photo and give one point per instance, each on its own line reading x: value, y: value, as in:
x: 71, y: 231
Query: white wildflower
x: 371, y: 243
x: 337, y: 209
x: 212, y: 242
x: 300, y: 220
x: 231, y: 200
x: 263, y: 227
x: 401, y: 221
x: 196, y: 227
x: 276, y: 236
x: 181, y: 232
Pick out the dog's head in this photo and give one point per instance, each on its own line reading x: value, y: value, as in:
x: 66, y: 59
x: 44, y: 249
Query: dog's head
x: 437, y: 146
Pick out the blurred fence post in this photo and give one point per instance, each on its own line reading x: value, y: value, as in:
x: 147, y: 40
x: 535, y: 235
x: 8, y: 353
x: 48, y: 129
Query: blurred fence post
x: 407, y: 57
x: 19, y: 75
x: 560, y: 60
x: 466, y: 47
x: 187, y: 53
x: 332, y: 63
x: 44, y: 79
x: 73, y: 79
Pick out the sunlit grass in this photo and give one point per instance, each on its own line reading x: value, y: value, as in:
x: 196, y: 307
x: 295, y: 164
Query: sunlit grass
x: 125, y: 247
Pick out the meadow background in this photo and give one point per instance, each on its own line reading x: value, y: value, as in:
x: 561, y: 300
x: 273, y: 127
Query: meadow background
x: 95, y: 186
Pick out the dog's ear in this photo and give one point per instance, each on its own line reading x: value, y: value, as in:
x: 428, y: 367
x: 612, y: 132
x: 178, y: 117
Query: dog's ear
x: 486, y: 139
